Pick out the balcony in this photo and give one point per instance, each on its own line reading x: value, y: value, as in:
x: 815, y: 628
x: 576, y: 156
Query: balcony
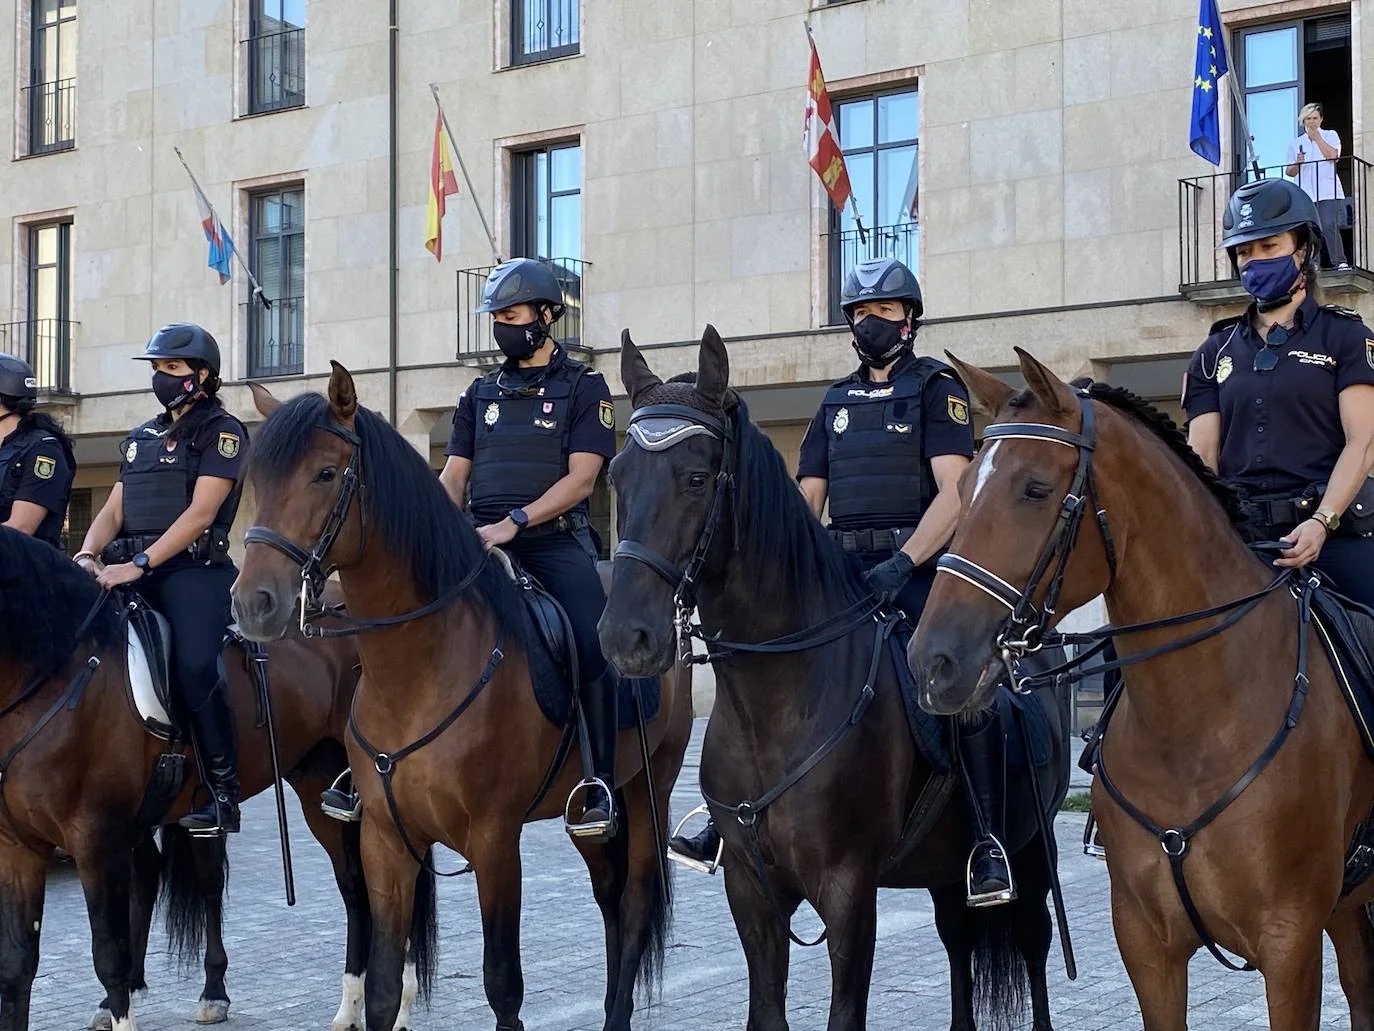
x: 276, y: 71
x: 51, y: 108
x: 46, y: 344
x: 474, y: 331
x: 847, y: 249
x: 1205, y: 274
x: 276, y: 337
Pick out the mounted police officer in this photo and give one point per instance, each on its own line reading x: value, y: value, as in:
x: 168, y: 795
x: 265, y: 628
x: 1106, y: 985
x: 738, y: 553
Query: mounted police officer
x: 1280, y: 399
x: 37, y: 464
x: 886, y: 450
x: 529, y: 440
x: 165, y: 533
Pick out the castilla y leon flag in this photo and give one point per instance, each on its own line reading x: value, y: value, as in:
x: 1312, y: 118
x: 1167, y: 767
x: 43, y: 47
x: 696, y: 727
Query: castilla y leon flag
x: 442, y: 183
x: 821, y: 135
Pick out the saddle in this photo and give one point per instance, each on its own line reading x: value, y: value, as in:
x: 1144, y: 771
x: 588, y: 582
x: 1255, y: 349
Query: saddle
x: 1346, y: 630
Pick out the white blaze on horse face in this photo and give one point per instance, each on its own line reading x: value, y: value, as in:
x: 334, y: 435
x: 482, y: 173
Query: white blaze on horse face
x: 985, y: 469
x: 350, y: 1015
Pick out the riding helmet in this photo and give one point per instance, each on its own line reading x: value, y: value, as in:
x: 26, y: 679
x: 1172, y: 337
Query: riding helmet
x: 880, y: 279
x: 1265, y: 208
x: 521, y: 281
x: 17, y: 381
x: 184, y: 340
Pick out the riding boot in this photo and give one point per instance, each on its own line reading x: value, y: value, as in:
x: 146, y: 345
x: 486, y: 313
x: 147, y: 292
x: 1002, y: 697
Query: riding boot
x: 597, y: 824
x: 982, y: 753
x: 702, y: 849
x: 212, y: 730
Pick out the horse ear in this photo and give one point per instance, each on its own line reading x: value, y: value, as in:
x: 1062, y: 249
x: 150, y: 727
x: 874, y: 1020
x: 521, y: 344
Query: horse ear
x: 1049, y: 389
x: 264, y: 400
x: 713, y: 367
x: 988, y: 392
x: 634, y: 370
x: 343, y: 397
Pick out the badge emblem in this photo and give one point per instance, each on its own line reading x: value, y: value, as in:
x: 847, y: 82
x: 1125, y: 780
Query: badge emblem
x: 841, y: 422
x: 958, y: 410
x: 546, y: 424
x: 492, y: 414
x: 229, y: 445
x: 1246, y: 210
x: 1224, y: 368
x: 605, y: 411
x: 548, y: 407
x: 1369, y: 353
x: 131, y: 452
x: 44, y: 467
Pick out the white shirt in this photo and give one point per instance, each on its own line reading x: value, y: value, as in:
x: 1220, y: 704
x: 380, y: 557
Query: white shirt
x: 1317, y: 175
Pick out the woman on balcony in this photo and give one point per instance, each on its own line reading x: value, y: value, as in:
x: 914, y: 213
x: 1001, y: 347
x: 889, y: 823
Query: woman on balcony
x: 37, y: 465
x: 1313, y: 159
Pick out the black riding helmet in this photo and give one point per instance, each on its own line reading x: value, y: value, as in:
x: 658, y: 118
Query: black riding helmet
x: 880, y: 279
x: 18, y: 385
x: 521, y: 281
x: 1265, y: 208
x: 191, y: 343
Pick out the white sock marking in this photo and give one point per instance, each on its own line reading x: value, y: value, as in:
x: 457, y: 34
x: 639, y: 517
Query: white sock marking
x: 350, y: 1013
x: 410, y: 987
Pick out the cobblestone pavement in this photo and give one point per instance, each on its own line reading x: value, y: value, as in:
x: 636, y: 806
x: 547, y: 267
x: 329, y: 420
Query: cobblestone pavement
x: 285, y: 963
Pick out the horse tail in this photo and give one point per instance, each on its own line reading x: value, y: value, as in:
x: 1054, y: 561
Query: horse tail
x: 1001, y: 983
x: 424, y: 928
x: 649, y: 979
x: 192, y: 888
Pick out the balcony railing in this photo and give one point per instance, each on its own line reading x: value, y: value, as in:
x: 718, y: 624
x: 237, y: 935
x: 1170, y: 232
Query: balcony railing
x: 1205, y: 273
x: 46, y: 344
x: 847, y: 249
x: 474, y: 331
x: 276, y: 71
x: 276, y: 337
x: 52, y: 115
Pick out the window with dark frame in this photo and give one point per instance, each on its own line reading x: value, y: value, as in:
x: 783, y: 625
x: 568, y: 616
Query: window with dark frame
x: 546, y: 222
x: 46, y: 333
x: 79, y: 515
x: 542, y: 30
x: 276, y: 55
x: 276, y: 335
x: 51, y: 92
x: 880, y: 136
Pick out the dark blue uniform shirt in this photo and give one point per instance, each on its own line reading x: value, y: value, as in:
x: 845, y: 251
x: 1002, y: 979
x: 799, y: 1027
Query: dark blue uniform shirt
x: 42, y: 475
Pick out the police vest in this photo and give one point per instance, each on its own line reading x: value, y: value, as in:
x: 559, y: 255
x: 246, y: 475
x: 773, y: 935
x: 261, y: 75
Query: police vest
x: 879, y: 475
x: 158, y: 484
x: 13, y: 460
x: 522, y: 442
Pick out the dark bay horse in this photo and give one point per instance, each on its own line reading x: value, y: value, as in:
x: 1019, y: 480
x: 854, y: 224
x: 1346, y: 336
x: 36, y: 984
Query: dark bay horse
x: 76, y: 782
x: 1266, y: 874
x: 730, y: 521
x: 333, y: 477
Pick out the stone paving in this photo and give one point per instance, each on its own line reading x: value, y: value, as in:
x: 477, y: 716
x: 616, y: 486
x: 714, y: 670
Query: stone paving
x: 285, y: 963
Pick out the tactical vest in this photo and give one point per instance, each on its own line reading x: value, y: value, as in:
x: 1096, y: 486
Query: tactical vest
x: 879, y: 475
x: 13, y: 459
x: 522, y: 442
x: 158, y: 484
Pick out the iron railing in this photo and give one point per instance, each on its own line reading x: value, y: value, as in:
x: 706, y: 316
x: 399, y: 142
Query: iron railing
x: 544, y: 29
x: 474, y: 331
x: 52, y: 115
x: 1202, y: 205
x: 276, y: 70
x: 847, y: 249
x: 46, y: 344
x: 276, y: 337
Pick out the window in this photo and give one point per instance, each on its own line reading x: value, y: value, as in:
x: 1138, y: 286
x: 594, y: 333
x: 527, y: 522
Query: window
x: 51, y: 100
x: 276, y: 55
x: 543, y: 29
x: 879, y: 135
x: 546, y: 222
x: 47, y: 331
x: 79, y: 514
x: 276, y: 335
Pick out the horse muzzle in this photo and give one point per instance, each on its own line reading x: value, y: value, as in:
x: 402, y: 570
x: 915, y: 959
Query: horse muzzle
x: 637, y: 646
x: 263, y: 611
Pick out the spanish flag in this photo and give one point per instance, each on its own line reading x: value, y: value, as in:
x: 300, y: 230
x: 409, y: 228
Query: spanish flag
x: 442, y: 182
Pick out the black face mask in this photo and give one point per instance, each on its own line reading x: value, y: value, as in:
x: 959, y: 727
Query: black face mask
x: 519, y: 342
x: 879, y: 341
x: 174, y: 391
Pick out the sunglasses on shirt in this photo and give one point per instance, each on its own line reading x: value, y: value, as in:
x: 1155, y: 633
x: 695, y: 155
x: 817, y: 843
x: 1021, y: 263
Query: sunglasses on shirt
x: 1267, y: 358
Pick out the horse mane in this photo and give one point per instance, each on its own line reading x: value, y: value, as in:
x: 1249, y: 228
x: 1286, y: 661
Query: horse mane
x: 44, y: 598
x: 403, y: 500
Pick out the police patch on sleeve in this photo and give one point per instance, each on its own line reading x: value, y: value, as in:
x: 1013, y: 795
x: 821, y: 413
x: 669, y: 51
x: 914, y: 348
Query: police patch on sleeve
x: 44, y: 467
x: 958, y: 409
x: 229, y: 445
x: 605, y: 411
x: 1369, y: 353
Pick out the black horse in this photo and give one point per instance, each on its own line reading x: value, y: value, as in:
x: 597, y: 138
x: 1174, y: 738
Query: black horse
x: 843, y: 801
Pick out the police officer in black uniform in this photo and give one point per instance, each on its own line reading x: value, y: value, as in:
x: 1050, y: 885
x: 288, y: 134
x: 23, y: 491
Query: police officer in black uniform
x: 886, y: 450
x: 1280, y: 399
x: 529, y: 440
x: 37, y: 464
x: 165, y: 532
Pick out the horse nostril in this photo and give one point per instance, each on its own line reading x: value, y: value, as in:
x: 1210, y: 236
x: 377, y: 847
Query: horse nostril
x: 264, y: 603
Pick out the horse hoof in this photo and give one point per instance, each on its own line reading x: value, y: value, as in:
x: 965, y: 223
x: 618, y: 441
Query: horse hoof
x: 102, y: 1021
x: 212, y: 1011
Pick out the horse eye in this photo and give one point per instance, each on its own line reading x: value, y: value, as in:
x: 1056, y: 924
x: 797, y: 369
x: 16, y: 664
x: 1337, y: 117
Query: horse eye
x: 325, y: 475
x: 697, y: 481
x: 1037, y: 491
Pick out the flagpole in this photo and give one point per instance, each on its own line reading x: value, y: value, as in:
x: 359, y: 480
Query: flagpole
x: 257, y: 290
x: 853, y: 204
x: 1244, y: 124
x: 458, y: 154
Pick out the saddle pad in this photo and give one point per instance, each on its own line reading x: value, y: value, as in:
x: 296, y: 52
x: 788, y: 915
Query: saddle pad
x: 929, y: 732
x: 1346, y: 631
x: 148, y: 668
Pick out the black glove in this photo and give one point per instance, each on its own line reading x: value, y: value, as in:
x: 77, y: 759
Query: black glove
x: 887, y: 579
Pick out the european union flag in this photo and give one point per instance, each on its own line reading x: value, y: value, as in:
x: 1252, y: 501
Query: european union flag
x: 1204, y: 134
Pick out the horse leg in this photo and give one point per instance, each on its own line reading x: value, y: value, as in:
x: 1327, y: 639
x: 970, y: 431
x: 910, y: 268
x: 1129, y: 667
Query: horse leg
x: 1033, y: 928
x: 608, y: 867
x: 1158, y: 968
x: 23, y: 873
x: 212, y: 862
x: 1353, y: 935
x: 142, y: 901
x: 1292, y: 969
x: 954, y: 924
x: 848, y: 905
x: 763, y: 933
x: 496, y: 862
x: 390, y: 874
x: 107, y: 878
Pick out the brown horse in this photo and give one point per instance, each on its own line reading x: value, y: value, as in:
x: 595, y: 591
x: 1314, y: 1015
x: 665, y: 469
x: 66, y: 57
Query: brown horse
x: 1157, y: 538
x: 445, y: 693
x: 74, y: 764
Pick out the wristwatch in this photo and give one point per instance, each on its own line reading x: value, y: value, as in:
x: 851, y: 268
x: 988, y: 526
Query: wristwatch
x: 142, y: 563
x: 519, y: 517
x: 1329, y: 518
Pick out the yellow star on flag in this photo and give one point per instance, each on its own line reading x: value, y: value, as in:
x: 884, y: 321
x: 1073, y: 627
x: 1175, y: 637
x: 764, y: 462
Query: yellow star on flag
x: 1206, y: 31
x: 1214, y: 71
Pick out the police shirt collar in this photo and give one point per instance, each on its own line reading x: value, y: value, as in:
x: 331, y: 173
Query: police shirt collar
x: 894, y: 370
x: 511, y: 366
x: 1302, y: 318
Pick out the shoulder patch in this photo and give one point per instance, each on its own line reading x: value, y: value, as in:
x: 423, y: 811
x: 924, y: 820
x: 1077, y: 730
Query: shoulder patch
x: 44, y: 467
x: 1369, y: 353
x: 605, y: 411
x: 1217, y: 327
x: 229, y: 445
x: 958, y: 409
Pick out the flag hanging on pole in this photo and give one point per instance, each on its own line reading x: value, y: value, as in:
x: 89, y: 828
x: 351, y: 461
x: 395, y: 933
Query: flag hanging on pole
x: 442, y: 183
x: 822, y: 137
x: 221, y: 244
x: 1204, y: 129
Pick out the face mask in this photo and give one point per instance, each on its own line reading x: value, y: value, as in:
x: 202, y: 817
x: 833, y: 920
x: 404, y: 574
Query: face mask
x: 519, y: 342
x: 879, y: 341
x: 173, y: 391
x: 1270, y: 281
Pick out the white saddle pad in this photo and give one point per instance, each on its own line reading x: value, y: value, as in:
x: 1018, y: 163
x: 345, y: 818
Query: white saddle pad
x: 150, y: 709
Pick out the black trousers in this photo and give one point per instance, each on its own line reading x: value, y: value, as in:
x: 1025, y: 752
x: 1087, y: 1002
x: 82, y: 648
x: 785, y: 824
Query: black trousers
x: 565, y: 564
x: 1349, y: 562
x: 195, y: 602
x: 912, y: 599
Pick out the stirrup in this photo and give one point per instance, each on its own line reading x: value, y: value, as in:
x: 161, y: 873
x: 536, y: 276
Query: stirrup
x: 599, y: 831
x: 1091, y: 847
x: 352, y: 811
x: 990, y: 898
x: 691, y: 862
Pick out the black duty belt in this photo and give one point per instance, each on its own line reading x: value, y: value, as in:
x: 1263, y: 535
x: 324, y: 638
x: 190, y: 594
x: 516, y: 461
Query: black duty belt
x: 211, y: 547
x: 872, y: 540
x: 569, y: 522
x: 1280, y: 512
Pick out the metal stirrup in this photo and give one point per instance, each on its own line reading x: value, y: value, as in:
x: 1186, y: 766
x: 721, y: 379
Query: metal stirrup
x: 599, y: 828
x: 691, y: 862
x: 992, y: 898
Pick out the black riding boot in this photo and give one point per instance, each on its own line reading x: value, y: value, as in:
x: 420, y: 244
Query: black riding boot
x: 701, y: 850
x: 982, y: 752
x: 597, y: 823
x: 212, y: 730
